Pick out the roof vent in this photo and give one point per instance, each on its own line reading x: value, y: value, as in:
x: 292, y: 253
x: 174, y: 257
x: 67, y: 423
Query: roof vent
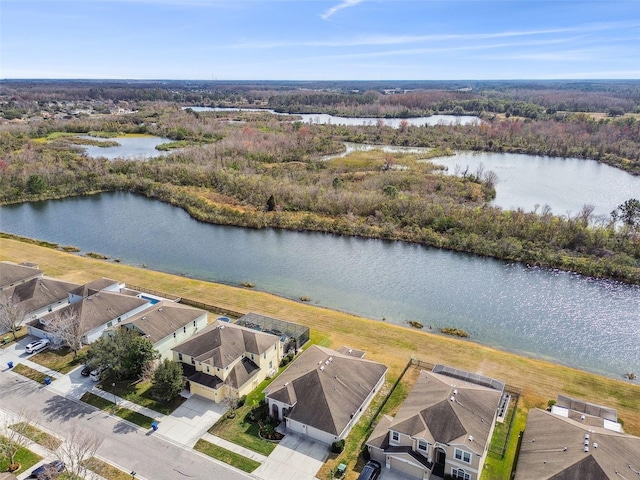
x: 286, y: 383
x: 160, y: 309
x: 453, y: 399
x: 351, y: 350
x: 586, y: 448
x: 322, y: 367
x: 582, y: 417
x: 330, y: 359
x: 595, y: 444
x: 144, y: 318
x: 471, y: 438
x: 455, y: 392
x: 586, y: 436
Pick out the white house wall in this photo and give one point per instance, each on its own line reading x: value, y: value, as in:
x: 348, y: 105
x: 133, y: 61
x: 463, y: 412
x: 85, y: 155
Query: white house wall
x: 165, y: 345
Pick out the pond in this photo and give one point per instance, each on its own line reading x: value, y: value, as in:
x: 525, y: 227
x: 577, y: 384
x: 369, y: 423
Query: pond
x: 129, y: 148
x: 566, y: 318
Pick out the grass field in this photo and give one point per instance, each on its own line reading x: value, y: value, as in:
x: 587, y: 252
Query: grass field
x: 26, y: 458
x: 226, y: 456
x: 38, y: 436
x: 124, y: 413
x: 31, y: 373
x: 392, y: 345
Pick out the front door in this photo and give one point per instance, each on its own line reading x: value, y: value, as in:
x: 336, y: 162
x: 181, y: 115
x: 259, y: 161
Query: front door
x: 275, y: 412
x: 441, y: 458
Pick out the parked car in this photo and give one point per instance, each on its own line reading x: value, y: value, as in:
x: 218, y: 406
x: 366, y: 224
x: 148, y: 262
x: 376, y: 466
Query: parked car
x: 86, y: 371
x: 96, y: 374
x: 370, y: 471
x: 48, y: 471
x: 37, y: 346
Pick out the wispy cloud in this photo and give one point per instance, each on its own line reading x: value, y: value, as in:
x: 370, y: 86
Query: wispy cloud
x: 381, y: 40
x: 337, y: 8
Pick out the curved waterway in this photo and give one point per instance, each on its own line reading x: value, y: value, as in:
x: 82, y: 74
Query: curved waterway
x: 566, y: 318
x: 326, y: 119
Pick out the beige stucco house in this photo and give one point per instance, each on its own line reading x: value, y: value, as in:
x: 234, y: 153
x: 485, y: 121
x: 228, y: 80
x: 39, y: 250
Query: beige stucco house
x: 224, y: 360
x: 443, y: 427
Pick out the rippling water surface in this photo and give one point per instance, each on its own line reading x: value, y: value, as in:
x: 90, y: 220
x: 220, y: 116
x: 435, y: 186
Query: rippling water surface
x: 570, y: 319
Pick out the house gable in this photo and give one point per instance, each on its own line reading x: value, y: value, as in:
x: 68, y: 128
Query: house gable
x: 442, y: 422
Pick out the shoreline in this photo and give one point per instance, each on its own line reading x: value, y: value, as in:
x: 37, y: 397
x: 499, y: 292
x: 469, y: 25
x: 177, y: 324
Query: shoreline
x: 539, y: 380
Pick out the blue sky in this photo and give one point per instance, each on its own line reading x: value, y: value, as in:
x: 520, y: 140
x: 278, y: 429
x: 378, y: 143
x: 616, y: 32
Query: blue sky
x: 320, y: 40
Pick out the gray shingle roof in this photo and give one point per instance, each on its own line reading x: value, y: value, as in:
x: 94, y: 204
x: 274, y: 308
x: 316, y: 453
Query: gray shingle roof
x: 162, y: 319
x: 220, y: 344
x: 326, y: 388
x: 543, y: 455
x: 100, y: 308
x: 10, y: 273
x: 429, y: 413
x: 38, y: 293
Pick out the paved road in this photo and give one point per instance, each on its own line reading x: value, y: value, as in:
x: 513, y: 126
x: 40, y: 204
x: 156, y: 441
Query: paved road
x: 151, y: 456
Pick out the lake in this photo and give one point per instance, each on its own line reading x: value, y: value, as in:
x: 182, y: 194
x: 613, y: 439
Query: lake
x: 130, y: 148
x: 324, y: 119
x: 565, y: 184
x: 559, y: 316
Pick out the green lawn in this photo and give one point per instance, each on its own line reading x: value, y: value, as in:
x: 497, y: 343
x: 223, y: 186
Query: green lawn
x: 31, y: 373
x: 140, y: 394
x: 20, y: 334
x: 496, y: 468
x: 38, y: 436
x: 124, y: 413
x: 61, y: 360
x: 226, y: 456
x: 106, y: 470
x: 26, y: 458
x: 244, y: 432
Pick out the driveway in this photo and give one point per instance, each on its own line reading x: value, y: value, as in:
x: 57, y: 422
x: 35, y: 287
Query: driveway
x: 295, y: 458
x: 191, y: 420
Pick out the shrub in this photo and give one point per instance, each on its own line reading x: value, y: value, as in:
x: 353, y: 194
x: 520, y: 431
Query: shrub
x: 337, y: 447
x: 241, y: 401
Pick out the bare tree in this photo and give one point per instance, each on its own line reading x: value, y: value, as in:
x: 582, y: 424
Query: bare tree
x: 76, y: 451
x: 231, y: 400
x: 13, y: 437
x: 11, y: 315
x: 66, y: 328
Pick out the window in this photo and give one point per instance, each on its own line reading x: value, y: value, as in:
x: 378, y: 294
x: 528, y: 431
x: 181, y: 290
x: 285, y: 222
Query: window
x: 174, y: 334
x: 109, y: 324
x: 271, y: 364
x: 395, y: 436
x: 459, y: 473
x: 423, y: 446
x: 180, y: 356
x: 193, y: 361
x: 194, y: 323
x: 184, y: 329
x: 462, y: 455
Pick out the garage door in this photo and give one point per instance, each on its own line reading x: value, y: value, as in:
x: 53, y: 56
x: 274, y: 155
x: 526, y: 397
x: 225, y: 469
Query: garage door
x: 406, y: 467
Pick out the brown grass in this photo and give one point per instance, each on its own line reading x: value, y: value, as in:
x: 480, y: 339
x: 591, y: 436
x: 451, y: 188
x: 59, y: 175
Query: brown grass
x: 386, y: 343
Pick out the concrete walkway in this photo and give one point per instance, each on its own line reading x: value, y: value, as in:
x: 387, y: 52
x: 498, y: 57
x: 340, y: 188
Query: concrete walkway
x: 295, y: 458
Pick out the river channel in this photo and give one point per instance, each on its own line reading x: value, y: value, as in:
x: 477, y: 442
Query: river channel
x: 566, y: 318
x: 324, y: 118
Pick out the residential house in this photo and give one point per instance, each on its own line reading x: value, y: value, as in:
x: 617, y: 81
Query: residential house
x: 12, y: 274
x: 166, y: 324
x: 225, y: 360
x: 323, y: 392
x: 576, y: 440
x: 95, y: 313
x: 443, y: 427
x: 39, y: 296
